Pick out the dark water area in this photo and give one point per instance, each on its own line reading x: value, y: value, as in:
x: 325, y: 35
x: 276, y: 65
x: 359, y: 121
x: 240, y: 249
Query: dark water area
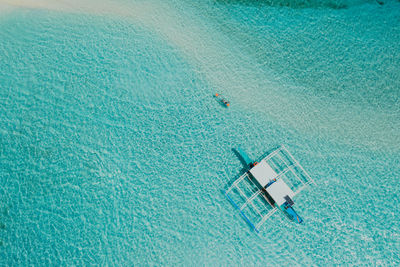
x: 332, y: 4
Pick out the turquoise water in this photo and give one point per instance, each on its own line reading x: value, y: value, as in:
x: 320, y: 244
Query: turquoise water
x: 113, y: 150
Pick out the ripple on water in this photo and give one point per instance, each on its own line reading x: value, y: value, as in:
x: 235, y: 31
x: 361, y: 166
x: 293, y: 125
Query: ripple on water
x: 113, y: 151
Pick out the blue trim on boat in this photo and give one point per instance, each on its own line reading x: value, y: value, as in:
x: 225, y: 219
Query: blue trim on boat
x: 241, y: 212
x: 291, y: 213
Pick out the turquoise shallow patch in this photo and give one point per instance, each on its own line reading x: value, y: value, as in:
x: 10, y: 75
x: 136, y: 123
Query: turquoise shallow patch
x: 113, y: 151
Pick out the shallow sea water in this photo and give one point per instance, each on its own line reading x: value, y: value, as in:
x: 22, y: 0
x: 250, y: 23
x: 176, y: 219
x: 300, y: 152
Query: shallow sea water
x: 113, y: 150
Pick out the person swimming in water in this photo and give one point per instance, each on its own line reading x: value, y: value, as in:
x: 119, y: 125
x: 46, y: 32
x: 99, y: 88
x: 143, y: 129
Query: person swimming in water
x: 222, y: 100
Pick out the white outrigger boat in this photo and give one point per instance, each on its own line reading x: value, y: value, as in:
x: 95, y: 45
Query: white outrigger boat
x: 268, y: 185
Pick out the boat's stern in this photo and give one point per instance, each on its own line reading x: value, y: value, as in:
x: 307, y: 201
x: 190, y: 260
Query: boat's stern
x: 291, y: 213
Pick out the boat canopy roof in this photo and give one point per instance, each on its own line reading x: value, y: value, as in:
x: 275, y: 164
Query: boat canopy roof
x: 263, y: 173
x: 278, y: 191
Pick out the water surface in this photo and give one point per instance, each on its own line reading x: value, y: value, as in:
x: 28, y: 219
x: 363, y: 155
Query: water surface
x: 113, y: 150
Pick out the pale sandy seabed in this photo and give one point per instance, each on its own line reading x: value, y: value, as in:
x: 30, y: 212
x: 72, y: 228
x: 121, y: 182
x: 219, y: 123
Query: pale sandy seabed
x: 366, y: 127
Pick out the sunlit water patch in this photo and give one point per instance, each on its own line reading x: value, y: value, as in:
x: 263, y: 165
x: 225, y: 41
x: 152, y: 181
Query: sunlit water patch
x: 113, y: 150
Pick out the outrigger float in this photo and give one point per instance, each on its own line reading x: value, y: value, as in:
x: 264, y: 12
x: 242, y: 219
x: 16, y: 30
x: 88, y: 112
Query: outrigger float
x: 269, y: 184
